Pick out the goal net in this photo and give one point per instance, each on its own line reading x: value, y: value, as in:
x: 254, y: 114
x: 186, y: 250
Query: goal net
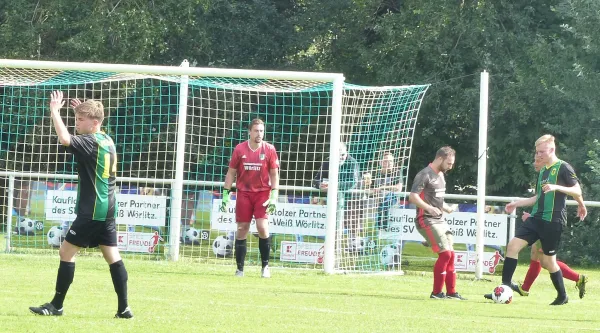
x: 175, y: 130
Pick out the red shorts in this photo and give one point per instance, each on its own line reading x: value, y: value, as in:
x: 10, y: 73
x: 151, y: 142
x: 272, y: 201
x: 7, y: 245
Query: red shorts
x: 248, y: 204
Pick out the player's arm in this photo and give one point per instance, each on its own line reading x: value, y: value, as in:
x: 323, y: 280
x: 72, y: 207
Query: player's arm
x: 450, y: 208
x: 229, y: 178
x: 318, y: 179
x: 520, y: 203
x: 414, y: 197
x: 56, y: 103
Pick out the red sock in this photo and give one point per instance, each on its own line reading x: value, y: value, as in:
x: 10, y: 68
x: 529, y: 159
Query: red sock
x: 568, y: 273
x: 532, y: 273
x: 439, y: 271
x: 451, y: 275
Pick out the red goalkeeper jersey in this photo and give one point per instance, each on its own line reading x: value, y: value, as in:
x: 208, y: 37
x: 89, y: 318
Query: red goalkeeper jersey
x: 253, y: 166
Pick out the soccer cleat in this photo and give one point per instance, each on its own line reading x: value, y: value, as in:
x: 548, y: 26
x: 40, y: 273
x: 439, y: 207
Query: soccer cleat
x: 580, y: 284
x: 239, y: 273
x: 265, y: 272
x: 518, y: 289
x: 488, y: 296
x: 437, y: 296
x: 46, y: 310
x: 126, y: 314
x: 455, y: 296
x: 560, y: 300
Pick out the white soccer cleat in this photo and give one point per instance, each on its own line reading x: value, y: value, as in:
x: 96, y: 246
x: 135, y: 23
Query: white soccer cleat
x: 239, y: 273
x: 266, y: 272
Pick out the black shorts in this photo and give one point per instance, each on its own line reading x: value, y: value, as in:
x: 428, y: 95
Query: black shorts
x: 85, y: 232
x: 547, y: 232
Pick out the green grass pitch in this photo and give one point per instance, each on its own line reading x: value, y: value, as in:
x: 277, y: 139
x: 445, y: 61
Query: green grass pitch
x: 192, y: 297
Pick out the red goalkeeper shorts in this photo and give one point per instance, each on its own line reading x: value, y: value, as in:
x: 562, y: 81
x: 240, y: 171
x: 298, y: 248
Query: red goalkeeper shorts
x: 248, y: 204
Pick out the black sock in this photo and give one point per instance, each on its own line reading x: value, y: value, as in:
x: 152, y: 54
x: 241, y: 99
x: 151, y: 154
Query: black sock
x: 559, y: 283
x: 264, y: 246
x: 510, y: 265
x: 119, y: 278
x: 240, y: 253
x: 66, y: 273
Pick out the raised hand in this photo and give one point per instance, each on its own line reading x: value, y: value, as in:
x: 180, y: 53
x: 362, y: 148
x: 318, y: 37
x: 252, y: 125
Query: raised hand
x: 56, y: 101
x: 75, y: 102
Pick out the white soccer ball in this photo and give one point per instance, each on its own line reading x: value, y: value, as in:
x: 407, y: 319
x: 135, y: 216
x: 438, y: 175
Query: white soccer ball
x: 502, y: 294
x: 26, y: 227
x: 390, y: 255
x: 192, y: 235
x: 55, y: 236
x: 222, y: 246
x: 357, y: 244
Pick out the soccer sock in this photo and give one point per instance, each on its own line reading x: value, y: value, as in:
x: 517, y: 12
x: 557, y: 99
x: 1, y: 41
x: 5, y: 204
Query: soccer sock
x: 559, y: 285
x: 66, y: 273
x: 535, y: 267
x: 451, y: 275
x: 567, y: 272
x: 510, y: 265
x: 119, y: 278
x: 264, y: 246
x: 240, y: 253
x: 439, y: 271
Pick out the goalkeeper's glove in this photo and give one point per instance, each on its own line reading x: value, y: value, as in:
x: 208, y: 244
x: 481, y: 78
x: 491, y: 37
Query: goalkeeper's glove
x: 272, y: 201
x: 225, y: 200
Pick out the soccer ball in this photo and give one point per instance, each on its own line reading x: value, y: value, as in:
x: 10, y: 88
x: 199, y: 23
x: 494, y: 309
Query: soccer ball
x: 222, y: 246
x: 390, y: 255
x: 357, y: 244
x: 26, y: 227
x: 55, y: 236
x: 192, y: 236
x: 502, y: 294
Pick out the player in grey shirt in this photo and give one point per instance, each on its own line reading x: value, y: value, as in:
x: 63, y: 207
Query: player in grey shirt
x: 427, y: 193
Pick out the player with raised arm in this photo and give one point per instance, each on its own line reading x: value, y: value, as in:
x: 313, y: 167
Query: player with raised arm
x: 255, y: 164
x: 96, y: 207
x: 427, y: 193
x: 556, y: 181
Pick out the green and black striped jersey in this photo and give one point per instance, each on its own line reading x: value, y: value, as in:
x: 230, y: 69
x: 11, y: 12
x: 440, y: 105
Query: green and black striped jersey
x: 552, y: 206
x: 97, y: 169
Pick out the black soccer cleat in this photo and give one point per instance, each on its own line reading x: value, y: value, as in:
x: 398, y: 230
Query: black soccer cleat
x: 518, y: 289
x: 580, y: 284
x: 46, y: 310
x: 560, y: 300
x: 456, y: 296
x: 126, y: 314
x: 488, y: 296
x: 437, y: 296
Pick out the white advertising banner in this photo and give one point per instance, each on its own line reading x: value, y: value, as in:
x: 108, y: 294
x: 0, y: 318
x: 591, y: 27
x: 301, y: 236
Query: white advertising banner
x: 463, y: 226
x: 133, y: 209
x: 302, y: 252
x: 466, y: 261
x: 143, y: 242
x: 289, y: 218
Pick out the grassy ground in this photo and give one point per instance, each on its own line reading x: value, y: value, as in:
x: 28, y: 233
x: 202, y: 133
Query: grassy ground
x: 191, y: 297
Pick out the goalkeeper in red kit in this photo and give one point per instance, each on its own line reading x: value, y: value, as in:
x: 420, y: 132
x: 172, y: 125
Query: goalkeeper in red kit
x: 256, y: 166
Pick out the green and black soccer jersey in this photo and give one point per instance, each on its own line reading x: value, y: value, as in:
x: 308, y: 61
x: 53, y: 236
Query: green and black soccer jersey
x: 97, y: 169
x: 552, y: 206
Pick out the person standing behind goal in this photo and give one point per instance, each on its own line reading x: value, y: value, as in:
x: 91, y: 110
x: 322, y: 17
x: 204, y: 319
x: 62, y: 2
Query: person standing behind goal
x: 427, y: 193
x: 255, y: 164
x: 96, y: 206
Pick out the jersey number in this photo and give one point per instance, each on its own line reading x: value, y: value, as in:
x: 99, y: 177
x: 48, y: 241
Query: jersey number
x: 107, y: 170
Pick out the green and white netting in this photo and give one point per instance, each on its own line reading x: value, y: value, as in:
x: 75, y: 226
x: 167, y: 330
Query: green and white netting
x: 38, y: 176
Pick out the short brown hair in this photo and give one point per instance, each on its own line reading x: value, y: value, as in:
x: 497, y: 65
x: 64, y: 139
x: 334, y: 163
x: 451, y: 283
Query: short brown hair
x: 445, y: 152
x: 91, y: 109
x: 254, y: 122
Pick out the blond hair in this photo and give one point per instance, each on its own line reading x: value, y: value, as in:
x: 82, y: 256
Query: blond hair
x: 91, y: 109
x: 549, y: 139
